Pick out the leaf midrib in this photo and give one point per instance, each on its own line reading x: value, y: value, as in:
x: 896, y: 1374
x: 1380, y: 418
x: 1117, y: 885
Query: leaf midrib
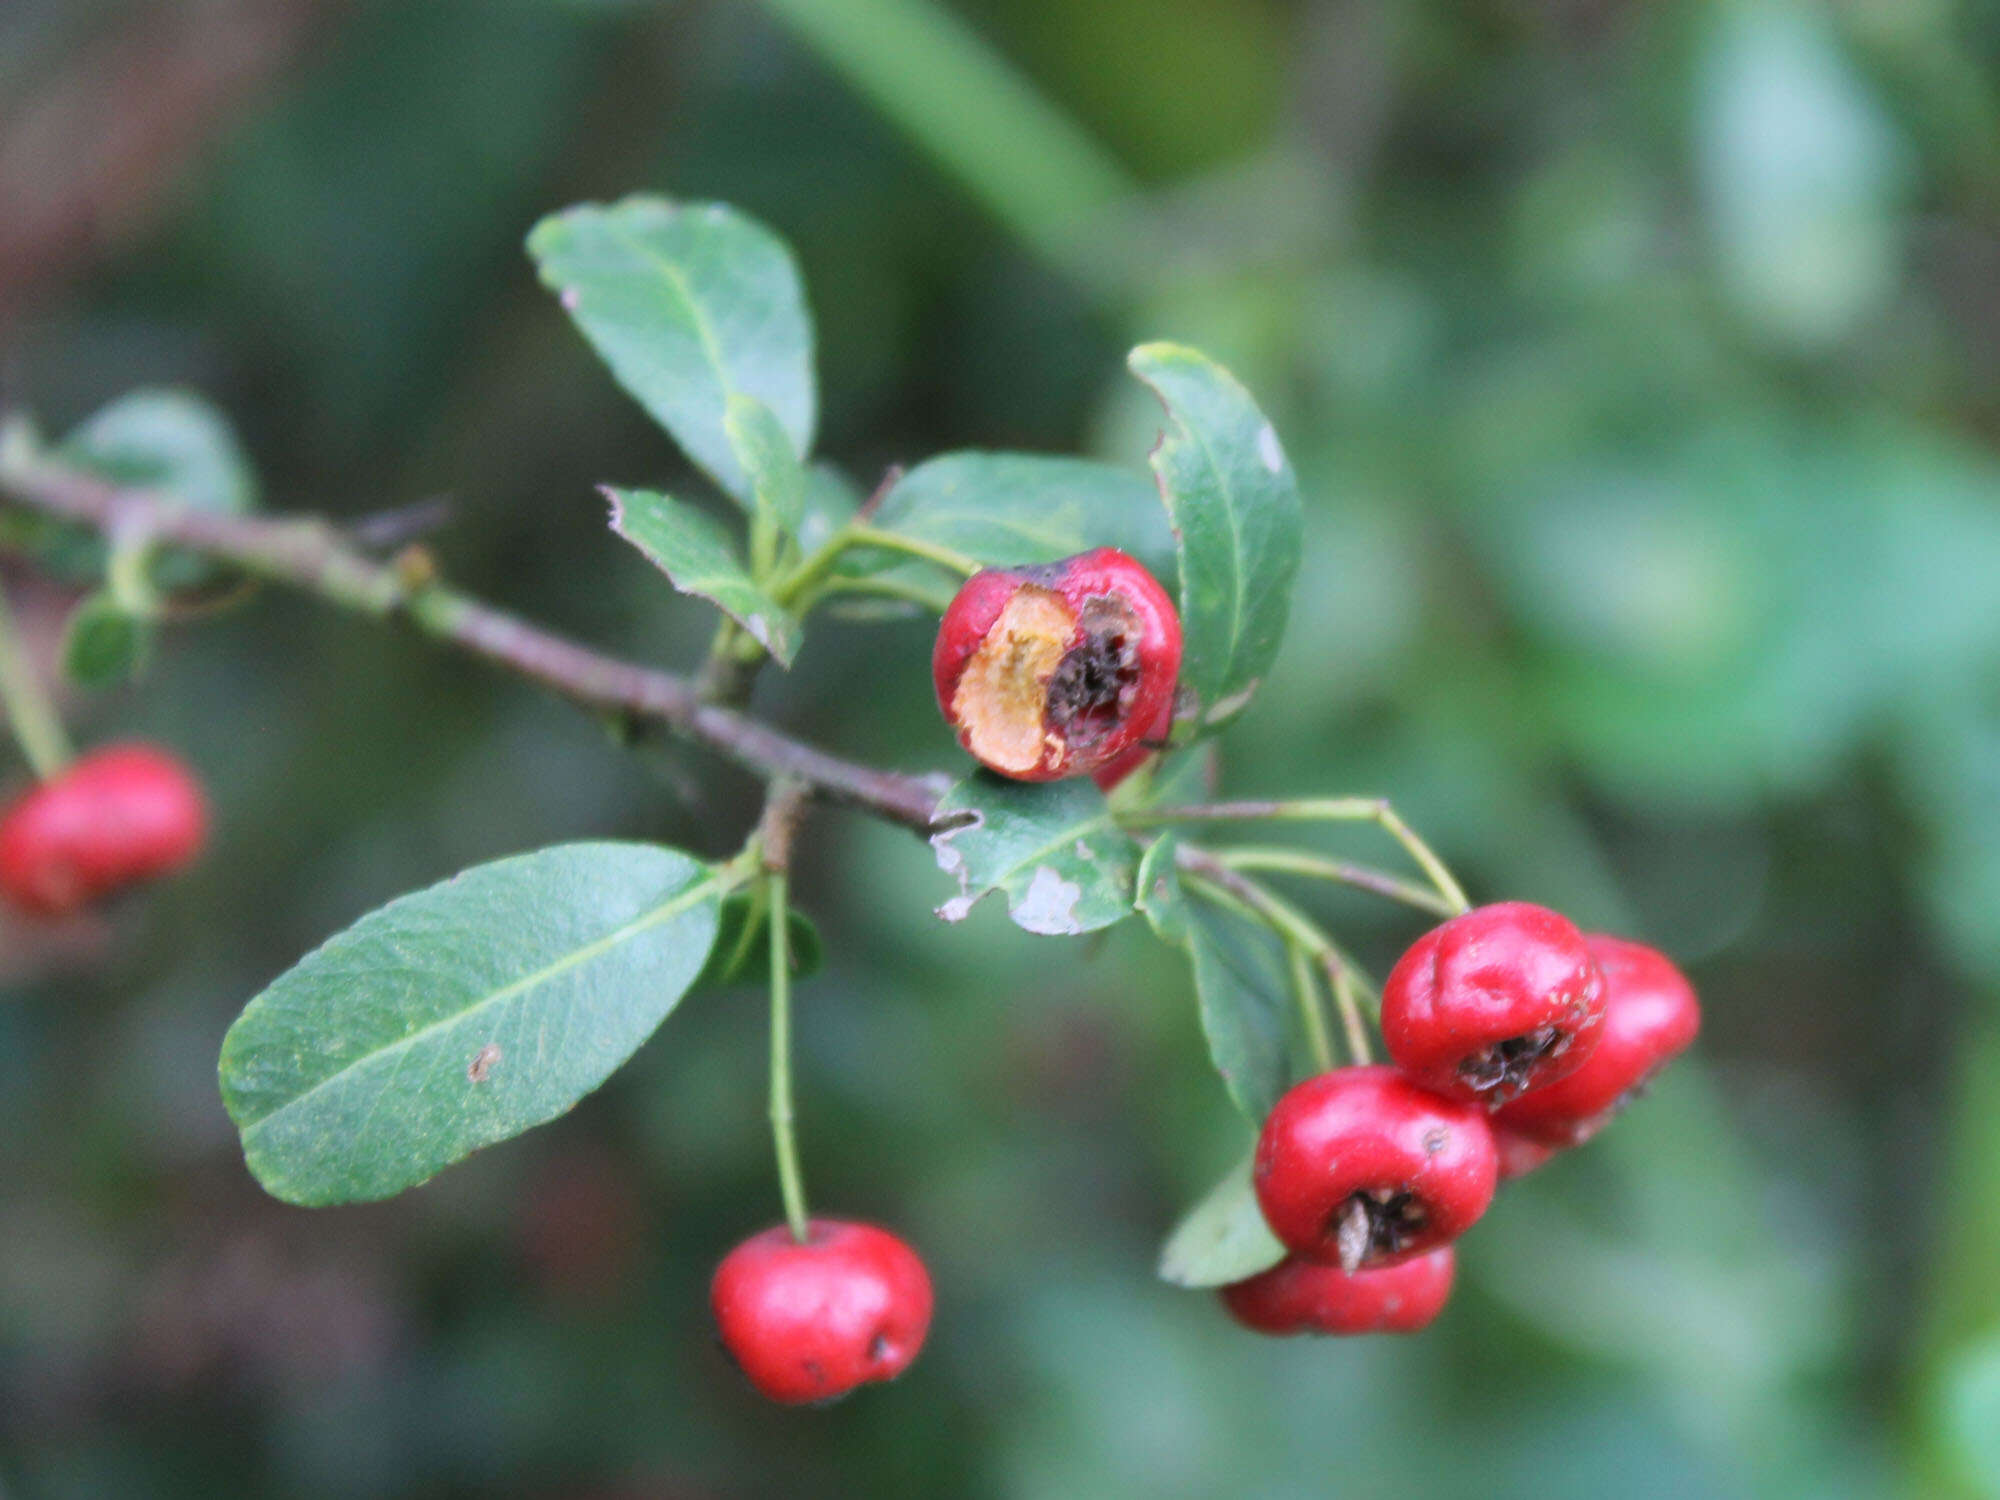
x: 573, y: 959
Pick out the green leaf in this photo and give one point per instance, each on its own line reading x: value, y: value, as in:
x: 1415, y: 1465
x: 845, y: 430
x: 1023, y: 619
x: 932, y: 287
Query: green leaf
x: 696, y: 551
x: 1223, y: 1238
x: 1051, y: 849
x: 462, y: 1015
x: 1235, y: 509
x: 777, y: 477
x: 1013, y: 508
x: 104, y: 644
x: 689, y: 304
x: 173, y: 443
x: 829, y: 503
x: 167, y: 440
x: 1160, y: 897
x: 1244, y: 987
x: 742, y: 952
x: 1241, y: 981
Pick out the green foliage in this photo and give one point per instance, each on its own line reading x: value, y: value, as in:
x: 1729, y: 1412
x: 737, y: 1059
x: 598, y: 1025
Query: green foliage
x: 770, y: 463
x: 1012, y: 508
x: 104, y: 644
x: 1223, y: 1238
x: 1051, y: 850
x: 462, y: 1015
x: 689, y: 304
x: 1235, y: 508
x: 694, y: 550
x: 742, y: 951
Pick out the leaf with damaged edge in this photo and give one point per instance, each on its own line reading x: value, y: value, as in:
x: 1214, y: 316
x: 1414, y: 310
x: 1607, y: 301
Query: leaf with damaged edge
x: 1235, y: 507
x: 1223, y: 1238
x: 462, y: 1015
x: 689, y: 304
x: 698, y: 554
x: 1051, y: 849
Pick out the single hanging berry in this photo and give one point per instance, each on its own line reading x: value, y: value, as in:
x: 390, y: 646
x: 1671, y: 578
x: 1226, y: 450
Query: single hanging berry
x: 1650, y: 1017
x: 1360, y: 1168
x: 1055, y: 671
x: 1303, y: 1296
x: 1494, y: 1003
x: 120, y: 815
x: 810, y: 1322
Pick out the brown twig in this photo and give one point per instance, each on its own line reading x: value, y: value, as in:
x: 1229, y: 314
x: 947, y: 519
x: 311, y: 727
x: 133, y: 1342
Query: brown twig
x: 311, y: 554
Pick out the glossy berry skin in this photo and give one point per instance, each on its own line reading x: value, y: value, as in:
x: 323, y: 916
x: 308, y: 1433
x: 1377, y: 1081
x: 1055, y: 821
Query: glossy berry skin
x: 1059, y: 670
x: 119, y: 815
x: 1303, y: 1296
x: 1362, y: 1169
x: 1519, y: 1154
x: 1650, y: 1017
x: 1494, y: 1003
x: 1114, y: 772
x: 810, y: 1322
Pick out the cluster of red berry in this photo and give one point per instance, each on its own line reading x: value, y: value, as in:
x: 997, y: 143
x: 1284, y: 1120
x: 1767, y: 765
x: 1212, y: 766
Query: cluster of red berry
x: 118, y: 816
x: 1046, y: 672
x: 1514, y: 1035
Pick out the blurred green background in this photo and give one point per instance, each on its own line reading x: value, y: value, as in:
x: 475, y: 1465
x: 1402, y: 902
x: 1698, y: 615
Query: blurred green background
x: 1639, y: 362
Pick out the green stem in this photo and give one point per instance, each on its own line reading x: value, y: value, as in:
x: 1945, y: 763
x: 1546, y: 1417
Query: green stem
x: 1376, y: 810
x: 887, y: 588
x: 1310, y: 1015
x: 791, y: 1182
x: 801, y: 586
x: 1341, y: 872
x: 37, y: 727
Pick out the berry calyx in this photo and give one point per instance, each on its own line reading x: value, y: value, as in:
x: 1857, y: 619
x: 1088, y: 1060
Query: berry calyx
x: 1491, y: 1004
x: 117, y: 816
x: 1303, y: 1296
x: 1362, y: 1169
x: 810, y: 1321
x: 1055, y: 671
x: 1650, y: 1017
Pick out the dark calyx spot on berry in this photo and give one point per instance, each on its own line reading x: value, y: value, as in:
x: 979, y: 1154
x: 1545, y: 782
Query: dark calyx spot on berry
x: 1370, y: 1226
x: 1094, y: 682
x: 878, y: 1348
x: 1504, y: 1069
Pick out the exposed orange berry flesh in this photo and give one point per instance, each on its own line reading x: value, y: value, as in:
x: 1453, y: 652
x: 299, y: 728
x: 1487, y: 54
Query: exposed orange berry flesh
x: 1001, y: 701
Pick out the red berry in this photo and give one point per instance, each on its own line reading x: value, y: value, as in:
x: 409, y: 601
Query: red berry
x: 1361, y: 1168
x: 810, y: 1322
x: 1503, y: 999
x: 119, y: 815
x: 1302, y: 1296
x: 1650, y: 1017
x: 1518, y: 1154
x: 1113, y: 772
x: 1058, y: 670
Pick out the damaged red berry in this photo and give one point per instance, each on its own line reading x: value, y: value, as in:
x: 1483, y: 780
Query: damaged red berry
x: 1303, y: 1296
x: 1362, y: 1169
x: 810, y: 1322
x: 1650, y: 1017
x: 1501, y: 1000
x: 1059, y: 670
x: 119, y: 815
